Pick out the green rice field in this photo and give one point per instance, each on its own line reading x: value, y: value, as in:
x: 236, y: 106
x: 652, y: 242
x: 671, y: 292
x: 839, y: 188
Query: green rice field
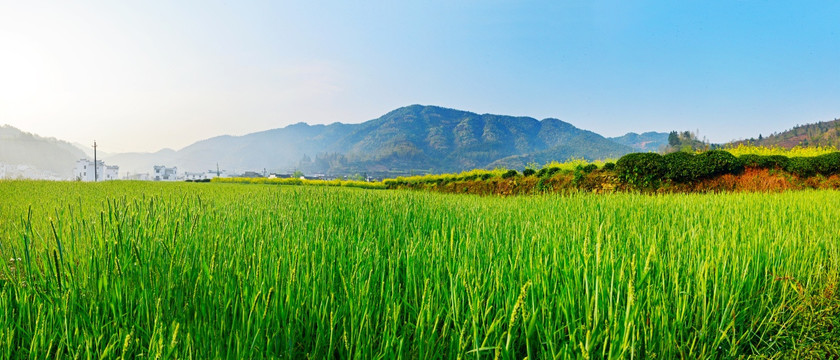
x: 140, y: 270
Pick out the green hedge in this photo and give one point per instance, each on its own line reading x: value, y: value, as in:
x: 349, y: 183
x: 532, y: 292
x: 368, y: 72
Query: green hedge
x: 646, y: 169
x: 649, y: 170
x: 715, y: 163
x: 765, y: 162
x: 826, y: 165
x: 641, y: 169
x: 547, y: 172
x: 679, y: 166
x: 801, y: 166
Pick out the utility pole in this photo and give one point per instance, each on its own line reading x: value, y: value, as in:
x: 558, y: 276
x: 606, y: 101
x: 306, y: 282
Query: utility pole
x: 95, y: 165
x: 218, y: 173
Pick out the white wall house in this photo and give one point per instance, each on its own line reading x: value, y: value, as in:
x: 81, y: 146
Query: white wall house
x: 85, y: 171
x: 209, y: 174
x: 163, y: 173
x: 112, y: 172
x: 195, y: 176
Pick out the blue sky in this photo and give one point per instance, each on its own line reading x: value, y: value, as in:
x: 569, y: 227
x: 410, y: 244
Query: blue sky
x: 140, y: 76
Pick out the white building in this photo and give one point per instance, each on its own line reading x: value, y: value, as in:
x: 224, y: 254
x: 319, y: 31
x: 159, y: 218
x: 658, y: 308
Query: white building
x: 85, y: 171
x: 163, y: 173
x: 196, y: 176
x: 209, y: 174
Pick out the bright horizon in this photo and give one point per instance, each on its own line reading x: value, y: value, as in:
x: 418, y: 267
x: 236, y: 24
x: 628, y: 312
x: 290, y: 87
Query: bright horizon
x: 152, y: 75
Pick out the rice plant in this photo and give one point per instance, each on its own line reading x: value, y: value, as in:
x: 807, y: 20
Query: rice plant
x: 186, y: 270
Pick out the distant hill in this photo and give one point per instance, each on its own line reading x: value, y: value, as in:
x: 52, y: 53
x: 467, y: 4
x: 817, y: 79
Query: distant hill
x: 645, y: 142
x: 825, y: 133
x: 410, y: 139
x: 273, y: 150
x: 448, y: 140
x: 49, y: 157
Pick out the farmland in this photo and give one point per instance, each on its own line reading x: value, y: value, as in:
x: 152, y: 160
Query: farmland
x: 187, y: 270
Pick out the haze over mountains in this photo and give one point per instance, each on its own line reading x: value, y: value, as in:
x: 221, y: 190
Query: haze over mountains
x: 31, y: 156
x: 411, y: 139
x: 648, y: 141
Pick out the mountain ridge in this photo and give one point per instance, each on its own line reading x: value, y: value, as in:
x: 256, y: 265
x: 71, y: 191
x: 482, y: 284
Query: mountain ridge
x: 40, y: 157
x: 646, y: 141
x: 823, y: 133
x: 414, y: 138
x: 409, y: 140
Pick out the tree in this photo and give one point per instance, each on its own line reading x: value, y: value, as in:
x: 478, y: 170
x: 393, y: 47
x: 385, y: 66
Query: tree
x: 673, y: 138
x: 297, y: 174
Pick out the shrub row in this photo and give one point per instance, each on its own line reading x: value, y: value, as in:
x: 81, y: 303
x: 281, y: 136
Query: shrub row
x: 826, y: 165
x: 649, y: 169
x: 442, y: 179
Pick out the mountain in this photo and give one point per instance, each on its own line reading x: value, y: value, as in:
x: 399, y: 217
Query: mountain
x: 274, y: 150
x: 825, y: 133
x: 36, y: 156
x: 415, y: 138
x: 446, y: 140
x: 649, y: 141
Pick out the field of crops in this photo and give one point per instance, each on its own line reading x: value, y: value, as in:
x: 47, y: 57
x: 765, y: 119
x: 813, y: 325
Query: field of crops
x: 189, y: 270
x: 806, y: 151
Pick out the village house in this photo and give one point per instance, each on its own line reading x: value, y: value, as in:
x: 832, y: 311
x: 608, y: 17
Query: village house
x: 163, y: 173
x: 85, y: 171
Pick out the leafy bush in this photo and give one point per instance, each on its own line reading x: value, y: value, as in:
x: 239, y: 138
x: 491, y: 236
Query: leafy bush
x: 828, y: 164
x: 641, y: 169
x: 581, y: 171
x: 609, y: 166
x: 679, y: 166
x: 588, y: 168
x: 529, y: 172
x: 509, y: 174
x: 714, y: 163
x: 578, y: 176
x: 548, y: 171
x: 801, y: 166
x: 764, y: 161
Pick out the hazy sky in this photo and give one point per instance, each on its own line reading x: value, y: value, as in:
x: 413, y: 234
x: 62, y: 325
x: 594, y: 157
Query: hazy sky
x: 143, y: 75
